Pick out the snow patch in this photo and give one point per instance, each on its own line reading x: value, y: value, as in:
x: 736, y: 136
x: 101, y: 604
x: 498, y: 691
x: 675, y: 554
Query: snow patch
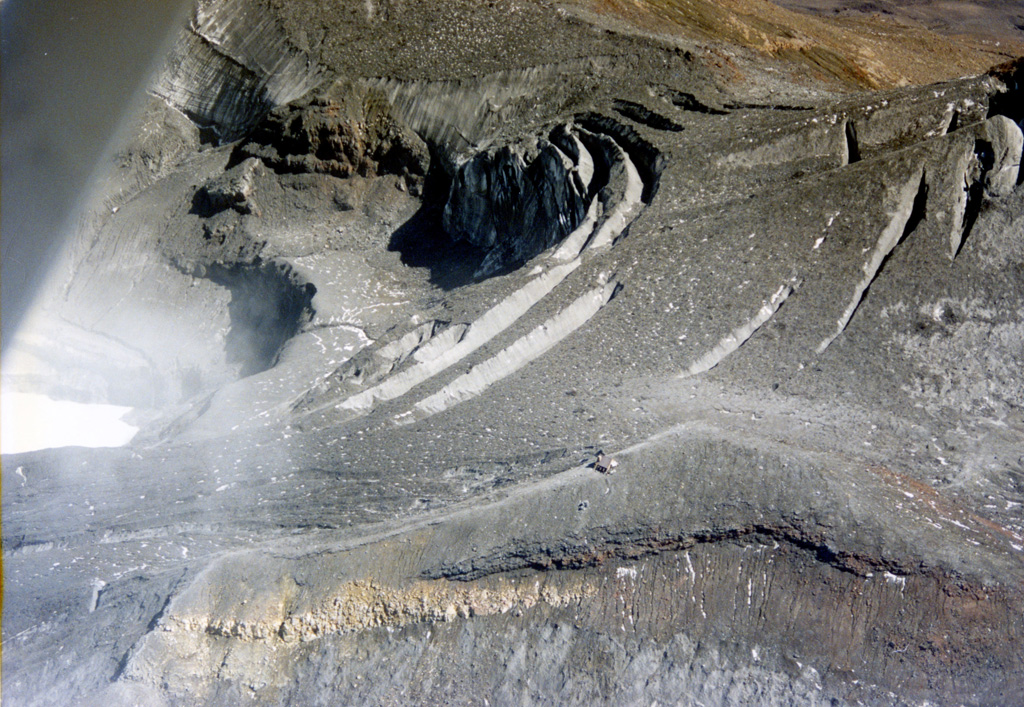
x: 29, y: 422
x: 518, y: 354
x: 890, y: 238
x: 738, y: 336
x: 895, y: 579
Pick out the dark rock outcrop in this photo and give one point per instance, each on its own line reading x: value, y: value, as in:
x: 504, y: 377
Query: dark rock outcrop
x: 516, y: 201
x: 344, y: 131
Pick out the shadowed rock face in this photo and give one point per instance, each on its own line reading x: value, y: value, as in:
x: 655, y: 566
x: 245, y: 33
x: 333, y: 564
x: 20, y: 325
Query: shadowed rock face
x: 792, y: 314
x: 516, y: 203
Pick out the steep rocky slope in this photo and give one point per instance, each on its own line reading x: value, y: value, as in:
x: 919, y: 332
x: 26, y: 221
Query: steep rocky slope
x: 382, y: 282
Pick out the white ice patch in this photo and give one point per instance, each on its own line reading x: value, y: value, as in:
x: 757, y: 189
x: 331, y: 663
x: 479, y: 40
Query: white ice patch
x: 490, y: 324
x: 29, y: 422
x: 574, y: 242
x: 585, y: 163
x: 886, y: 242
x: 895, y: 579
x: 734, y: 339
x: 511, y: 359
x: 623, y: 213
x: 689, y: 568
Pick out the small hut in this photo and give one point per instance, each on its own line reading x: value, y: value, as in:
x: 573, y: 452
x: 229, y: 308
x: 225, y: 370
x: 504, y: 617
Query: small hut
x: 605, y: 464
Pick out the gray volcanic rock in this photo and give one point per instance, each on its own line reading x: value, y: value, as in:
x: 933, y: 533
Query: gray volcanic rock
x: 233, y: 189
x: 377, y: 338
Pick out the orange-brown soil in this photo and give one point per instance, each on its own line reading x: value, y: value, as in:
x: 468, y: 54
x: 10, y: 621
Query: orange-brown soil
x: 857, y: 50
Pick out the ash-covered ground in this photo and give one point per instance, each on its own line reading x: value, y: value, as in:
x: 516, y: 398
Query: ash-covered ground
x: 381, y: 282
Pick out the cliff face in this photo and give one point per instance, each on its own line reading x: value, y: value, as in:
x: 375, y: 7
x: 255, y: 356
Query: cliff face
x: 380, y: 317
